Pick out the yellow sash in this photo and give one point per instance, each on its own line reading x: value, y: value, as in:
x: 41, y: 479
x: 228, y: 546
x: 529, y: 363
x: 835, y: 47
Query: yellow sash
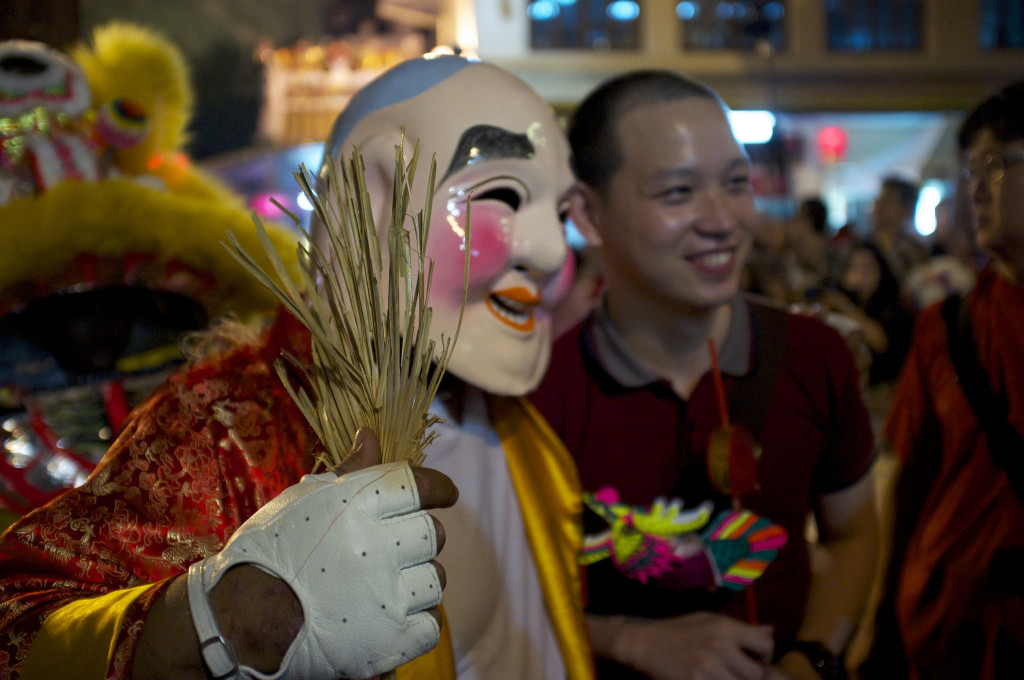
x: 550, y: 498
x: 77, y: 640
x: 549, y: 493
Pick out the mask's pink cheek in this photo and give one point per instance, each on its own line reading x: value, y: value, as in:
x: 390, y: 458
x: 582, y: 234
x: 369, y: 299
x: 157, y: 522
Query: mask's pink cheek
x: 560, y: 286
x: 489, y: 246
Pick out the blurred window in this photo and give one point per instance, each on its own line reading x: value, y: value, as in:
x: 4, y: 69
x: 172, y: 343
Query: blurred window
x: 584, y: 24
x: 868, y: 25
x: 1002, y: 24
x: 725, y: 25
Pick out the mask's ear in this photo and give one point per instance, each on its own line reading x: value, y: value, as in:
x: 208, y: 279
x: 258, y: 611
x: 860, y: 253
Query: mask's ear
x: 585, y: 206
x: 378, y: 154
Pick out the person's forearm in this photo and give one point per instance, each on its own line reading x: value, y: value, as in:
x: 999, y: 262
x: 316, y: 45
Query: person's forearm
x: 168, y: 646
x: 256, y: 612
x: 873, y: 331
x: 606, y: 635
x: 843, y: 571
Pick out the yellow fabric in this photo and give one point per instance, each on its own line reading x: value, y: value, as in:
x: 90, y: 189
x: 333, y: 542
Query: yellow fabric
x: 550, y: 499
x: 134, y: 63
x: 39, y: 240
x: 77, y: 640
x: 437, y: 664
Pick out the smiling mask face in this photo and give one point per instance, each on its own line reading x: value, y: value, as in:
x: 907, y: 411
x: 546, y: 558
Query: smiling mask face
x: 496, y: 141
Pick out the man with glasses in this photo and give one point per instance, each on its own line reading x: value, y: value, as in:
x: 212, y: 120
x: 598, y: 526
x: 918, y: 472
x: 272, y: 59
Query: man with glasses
x: 955, y: 605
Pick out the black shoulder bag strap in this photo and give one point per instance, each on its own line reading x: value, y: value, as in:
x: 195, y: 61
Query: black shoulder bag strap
x: 751, y: 395
x: 1005, y: 444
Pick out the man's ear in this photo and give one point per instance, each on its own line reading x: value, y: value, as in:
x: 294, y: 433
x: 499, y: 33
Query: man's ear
x: 585, y: 212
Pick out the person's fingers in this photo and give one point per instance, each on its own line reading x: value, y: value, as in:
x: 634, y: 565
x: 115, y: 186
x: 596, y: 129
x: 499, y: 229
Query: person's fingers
x: 744, y: 667
x: 758, y: 641
x: 438, y: 533
x: 422, y: 585
x: 441, y: 575
x: 443, y: 578
x: 436, y: 613
x: 365, y: 453
x: 436, y: 489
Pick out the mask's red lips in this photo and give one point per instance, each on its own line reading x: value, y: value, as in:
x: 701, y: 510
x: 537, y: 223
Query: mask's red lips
x: 514, y: 307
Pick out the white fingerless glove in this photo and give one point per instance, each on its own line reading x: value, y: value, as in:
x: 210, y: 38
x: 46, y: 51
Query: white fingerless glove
x: 354, y: 549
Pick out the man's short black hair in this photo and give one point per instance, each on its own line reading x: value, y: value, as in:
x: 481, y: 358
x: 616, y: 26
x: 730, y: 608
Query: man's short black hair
x: 907, y: 190
x: 816, y: 211
x: 596, y: 155
x: 1002, y: 114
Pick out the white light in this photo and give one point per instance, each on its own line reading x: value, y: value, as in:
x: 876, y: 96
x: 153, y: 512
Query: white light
x: 752, y: 127
x: 63, y: 469
x: 623, y: 10
x: 542, y: 10
x: 439, y: 51
x: 303, y: 202
x: 924, y: 217
x: 573, y: 238
x: 687, y: 10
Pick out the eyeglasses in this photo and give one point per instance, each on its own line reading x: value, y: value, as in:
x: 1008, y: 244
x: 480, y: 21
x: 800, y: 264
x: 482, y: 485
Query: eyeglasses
x: 992, y: 167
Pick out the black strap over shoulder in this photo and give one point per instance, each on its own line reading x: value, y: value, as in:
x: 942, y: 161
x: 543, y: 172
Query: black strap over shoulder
x: 1005, y: 444
x: 751, y: 395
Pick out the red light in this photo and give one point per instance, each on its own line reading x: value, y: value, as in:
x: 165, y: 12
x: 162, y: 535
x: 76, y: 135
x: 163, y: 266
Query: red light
x: 832, y: 143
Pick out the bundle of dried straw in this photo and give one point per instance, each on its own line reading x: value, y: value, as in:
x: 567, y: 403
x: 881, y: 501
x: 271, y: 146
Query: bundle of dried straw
x: 374, y: 362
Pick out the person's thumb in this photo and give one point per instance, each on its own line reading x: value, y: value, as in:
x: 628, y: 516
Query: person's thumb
x: 365, y: 453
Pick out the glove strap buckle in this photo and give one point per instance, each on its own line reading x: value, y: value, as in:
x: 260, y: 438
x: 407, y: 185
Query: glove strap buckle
x: 218, y: 654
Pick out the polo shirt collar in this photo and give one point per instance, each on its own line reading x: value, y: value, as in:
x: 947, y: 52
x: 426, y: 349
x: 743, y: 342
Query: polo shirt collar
x: 610, y: 351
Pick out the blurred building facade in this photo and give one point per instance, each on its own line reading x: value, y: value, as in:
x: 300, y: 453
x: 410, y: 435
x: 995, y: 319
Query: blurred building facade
x: 793, y: 55
x: 858, y: 88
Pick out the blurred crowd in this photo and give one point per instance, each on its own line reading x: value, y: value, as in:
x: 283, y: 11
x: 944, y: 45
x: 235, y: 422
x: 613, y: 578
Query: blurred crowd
x: 867, y: 280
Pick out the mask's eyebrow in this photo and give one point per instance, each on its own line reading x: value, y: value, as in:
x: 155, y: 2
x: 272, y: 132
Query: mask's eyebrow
x: 487, y: 142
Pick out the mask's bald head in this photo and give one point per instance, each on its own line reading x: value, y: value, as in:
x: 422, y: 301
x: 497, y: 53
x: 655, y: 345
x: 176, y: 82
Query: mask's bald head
x: 405, y: 81
x: 493, y: 139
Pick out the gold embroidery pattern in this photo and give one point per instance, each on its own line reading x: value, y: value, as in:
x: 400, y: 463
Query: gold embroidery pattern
x: 203, y: 453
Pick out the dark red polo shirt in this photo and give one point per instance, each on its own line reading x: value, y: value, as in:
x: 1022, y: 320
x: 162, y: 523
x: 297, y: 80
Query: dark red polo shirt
x: 628, y: 429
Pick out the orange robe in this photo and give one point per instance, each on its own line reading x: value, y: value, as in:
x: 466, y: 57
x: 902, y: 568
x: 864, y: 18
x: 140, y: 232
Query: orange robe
x: 951, y: 612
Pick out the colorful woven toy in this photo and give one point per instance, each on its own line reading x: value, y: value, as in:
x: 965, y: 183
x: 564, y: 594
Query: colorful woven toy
x: 641, y: 542
x: 660, y: 544
x: 743, y: 545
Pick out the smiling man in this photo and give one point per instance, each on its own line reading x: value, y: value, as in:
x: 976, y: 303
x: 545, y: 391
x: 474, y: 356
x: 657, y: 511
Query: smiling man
x: 665, y: 196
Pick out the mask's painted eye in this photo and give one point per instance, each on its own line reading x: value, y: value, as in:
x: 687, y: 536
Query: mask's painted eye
x: 506, y: 195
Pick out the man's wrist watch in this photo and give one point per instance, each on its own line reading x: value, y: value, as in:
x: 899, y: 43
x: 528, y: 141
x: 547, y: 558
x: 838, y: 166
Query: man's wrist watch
x: 825, y: 663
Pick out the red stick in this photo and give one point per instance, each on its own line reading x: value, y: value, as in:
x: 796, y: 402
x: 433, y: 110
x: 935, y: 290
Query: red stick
x: 723, y: 412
